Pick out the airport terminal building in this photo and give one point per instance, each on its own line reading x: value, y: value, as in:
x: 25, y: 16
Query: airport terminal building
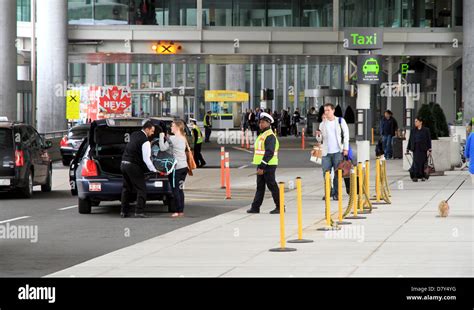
x: 171, y: 55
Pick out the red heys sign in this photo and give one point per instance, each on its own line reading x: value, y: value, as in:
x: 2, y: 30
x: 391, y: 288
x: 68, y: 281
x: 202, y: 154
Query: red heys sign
x: 116, y: 101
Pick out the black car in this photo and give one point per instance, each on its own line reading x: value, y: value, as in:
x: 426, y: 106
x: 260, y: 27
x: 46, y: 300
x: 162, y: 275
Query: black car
x: 70, y: 143
x: 25, y: 159
x: 95, y: 174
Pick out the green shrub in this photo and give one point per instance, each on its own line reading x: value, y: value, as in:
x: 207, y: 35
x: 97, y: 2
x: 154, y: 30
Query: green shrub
x: 440, y: 120
x: 426, y: 114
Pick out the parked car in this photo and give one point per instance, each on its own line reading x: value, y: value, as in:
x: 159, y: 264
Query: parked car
x: 25, y: 159
x: 95, y: 174
x: 71, y: 142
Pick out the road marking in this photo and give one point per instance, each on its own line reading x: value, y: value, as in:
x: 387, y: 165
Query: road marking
x: 243, y: 167
x: 241, y: 149
x: 67, y: 208
x: 15, y: 219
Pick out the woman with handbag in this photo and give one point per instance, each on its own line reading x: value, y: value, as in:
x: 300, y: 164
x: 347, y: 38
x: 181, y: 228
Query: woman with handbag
x: 177, y: 146
x: 420, y: 144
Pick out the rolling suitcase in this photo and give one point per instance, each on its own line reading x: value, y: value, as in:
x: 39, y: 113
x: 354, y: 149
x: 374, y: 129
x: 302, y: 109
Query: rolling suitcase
x: 397, y: 148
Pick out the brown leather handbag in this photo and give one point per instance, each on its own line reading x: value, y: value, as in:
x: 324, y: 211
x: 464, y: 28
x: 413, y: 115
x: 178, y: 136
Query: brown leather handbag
x: 345, y: 165
x: 190, y: 160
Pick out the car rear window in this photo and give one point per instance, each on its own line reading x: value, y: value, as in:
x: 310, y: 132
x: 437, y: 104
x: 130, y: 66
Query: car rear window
x: 78, y: 133
x: 113, y: 135
x: 6, y: 138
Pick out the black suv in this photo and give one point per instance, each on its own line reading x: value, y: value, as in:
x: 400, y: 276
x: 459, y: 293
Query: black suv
x: 25, y: 161
x: 95, y: 174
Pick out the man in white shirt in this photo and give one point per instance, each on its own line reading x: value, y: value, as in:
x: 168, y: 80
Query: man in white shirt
x: 333, y: 133
x: 136, y: 160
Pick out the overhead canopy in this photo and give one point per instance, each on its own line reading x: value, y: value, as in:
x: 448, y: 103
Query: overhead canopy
x: 225, y: 96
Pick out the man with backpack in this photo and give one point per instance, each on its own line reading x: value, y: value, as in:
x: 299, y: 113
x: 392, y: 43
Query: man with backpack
x: 333, y: 133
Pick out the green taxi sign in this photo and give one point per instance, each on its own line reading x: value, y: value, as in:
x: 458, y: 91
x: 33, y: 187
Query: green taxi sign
x: 369, y: 69
x: 363, y: 39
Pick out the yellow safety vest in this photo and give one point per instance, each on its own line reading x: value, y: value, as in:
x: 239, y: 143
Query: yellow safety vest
x: 199, y: 140
x: 206, y: 124
x: 260, y: 149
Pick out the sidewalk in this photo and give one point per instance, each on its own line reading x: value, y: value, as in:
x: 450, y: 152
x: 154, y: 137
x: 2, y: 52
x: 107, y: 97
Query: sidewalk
x: 405, y: 239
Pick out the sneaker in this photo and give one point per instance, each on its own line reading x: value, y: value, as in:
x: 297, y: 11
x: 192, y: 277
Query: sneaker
x: 414, y: 180
x: 423, y: 180
x: 334, y: 197
x: 252, y: 210
x: 276, y: 211
x: 177, y: 214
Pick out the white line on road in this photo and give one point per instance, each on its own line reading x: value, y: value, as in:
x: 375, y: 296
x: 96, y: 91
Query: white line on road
x: 15, y: 219
x: 245, y: 166
x: 67, y: 208
x: 241, y: 149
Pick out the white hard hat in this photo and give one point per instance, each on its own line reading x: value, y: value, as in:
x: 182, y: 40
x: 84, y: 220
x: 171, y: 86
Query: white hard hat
x: 193, y: 120
x: 268, y: 117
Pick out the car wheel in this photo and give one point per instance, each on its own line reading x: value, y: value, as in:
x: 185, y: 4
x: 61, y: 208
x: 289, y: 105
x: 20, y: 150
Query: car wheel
x: 84, y: 205
x: 46, y: 188
x: 66, y: 161
x: 171, y: 203
x: 27, y: 192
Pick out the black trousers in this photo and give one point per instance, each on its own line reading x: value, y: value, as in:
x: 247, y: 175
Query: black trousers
x: 207, y: 132
x: 268, y: 179
x: 198, y: 155
x: 176, y: 180
x: 133, y: 183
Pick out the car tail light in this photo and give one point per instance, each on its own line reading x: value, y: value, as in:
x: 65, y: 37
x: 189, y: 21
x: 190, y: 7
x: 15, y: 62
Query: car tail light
x: 64, y: 142
x: 90, y: 169
x: 19, y: 158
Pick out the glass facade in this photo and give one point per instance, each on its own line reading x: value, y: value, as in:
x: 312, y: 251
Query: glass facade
x: 23, y: 10
x: 270, y: 13
x: 401, y: 13
x: 132, y: 12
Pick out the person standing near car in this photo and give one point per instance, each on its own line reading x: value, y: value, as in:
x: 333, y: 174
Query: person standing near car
x: 136, y: 161
x: 333, y: 134
x: 420, y: 144
x: 176, y: 145
x: 197, y: 135
x: 388, y: 127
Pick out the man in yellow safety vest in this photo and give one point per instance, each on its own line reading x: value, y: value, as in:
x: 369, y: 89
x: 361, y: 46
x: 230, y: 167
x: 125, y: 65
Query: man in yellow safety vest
x: 198, y: 139
x: 266, y: 159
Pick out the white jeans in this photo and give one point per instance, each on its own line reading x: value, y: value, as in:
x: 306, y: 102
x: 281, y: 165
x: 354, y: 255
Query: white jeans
x: 472, y: 178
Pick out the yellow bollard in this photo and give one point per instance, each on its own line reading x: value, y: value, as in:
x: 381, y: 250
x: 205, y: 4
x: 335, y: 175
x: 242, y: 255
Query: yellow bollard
x: 355, y: 197
x: 282, y: 247
x: 377, y: 180
x: 339, y: 198
x: 327, y: 179
x: 360, y: 177
x: 367, y: 181
x: 299, y: 200
x: 384, y: 167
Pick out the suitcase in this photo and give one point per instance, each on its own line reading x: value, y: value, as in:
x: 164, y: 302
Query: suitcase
x: 397, y: 148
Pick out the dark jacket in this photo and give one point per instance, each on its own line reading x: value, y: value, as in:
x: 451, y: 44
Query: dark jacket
x: 420, y: 140
x: 133, y: 150
x: 388, y: 127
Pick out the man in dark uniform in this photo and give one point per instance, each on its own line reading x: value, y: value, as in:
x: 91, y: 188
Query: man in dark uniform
x: 197, y: 135
x: 266, y: 159
x: 136, y: 160
x: 208, y: 126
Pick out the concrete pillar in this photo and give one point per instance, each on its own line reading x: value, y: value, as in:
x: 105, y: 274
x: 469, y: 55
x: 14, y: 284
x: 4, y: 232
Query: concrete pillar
x: 8, y: 60
x: 362, y: 131
x: 23, y: 73
x: 468, y: 60
x: 445, y: 91
x: 235, y: 77
x: 95, y: 74
x: 216, y: 77
x: 297, y: 86
x: 235, y: 80
x: 389, y: 80
x: 52, y: 65
x: 285, y: 86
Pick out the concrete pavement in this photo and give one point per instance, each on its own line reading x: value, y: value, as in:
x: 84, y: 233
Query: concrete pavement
x: 404, y: 239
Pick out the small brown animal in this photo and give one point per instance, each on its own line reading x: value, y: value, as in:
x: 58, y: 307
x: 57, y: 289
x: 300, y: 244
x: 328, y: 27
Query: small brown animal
x: 443, y: 208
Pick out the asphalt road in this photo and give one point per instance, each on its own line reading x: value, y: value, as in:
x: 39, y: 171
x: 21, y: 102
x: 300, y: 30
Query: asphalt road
x: 66, y: 238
